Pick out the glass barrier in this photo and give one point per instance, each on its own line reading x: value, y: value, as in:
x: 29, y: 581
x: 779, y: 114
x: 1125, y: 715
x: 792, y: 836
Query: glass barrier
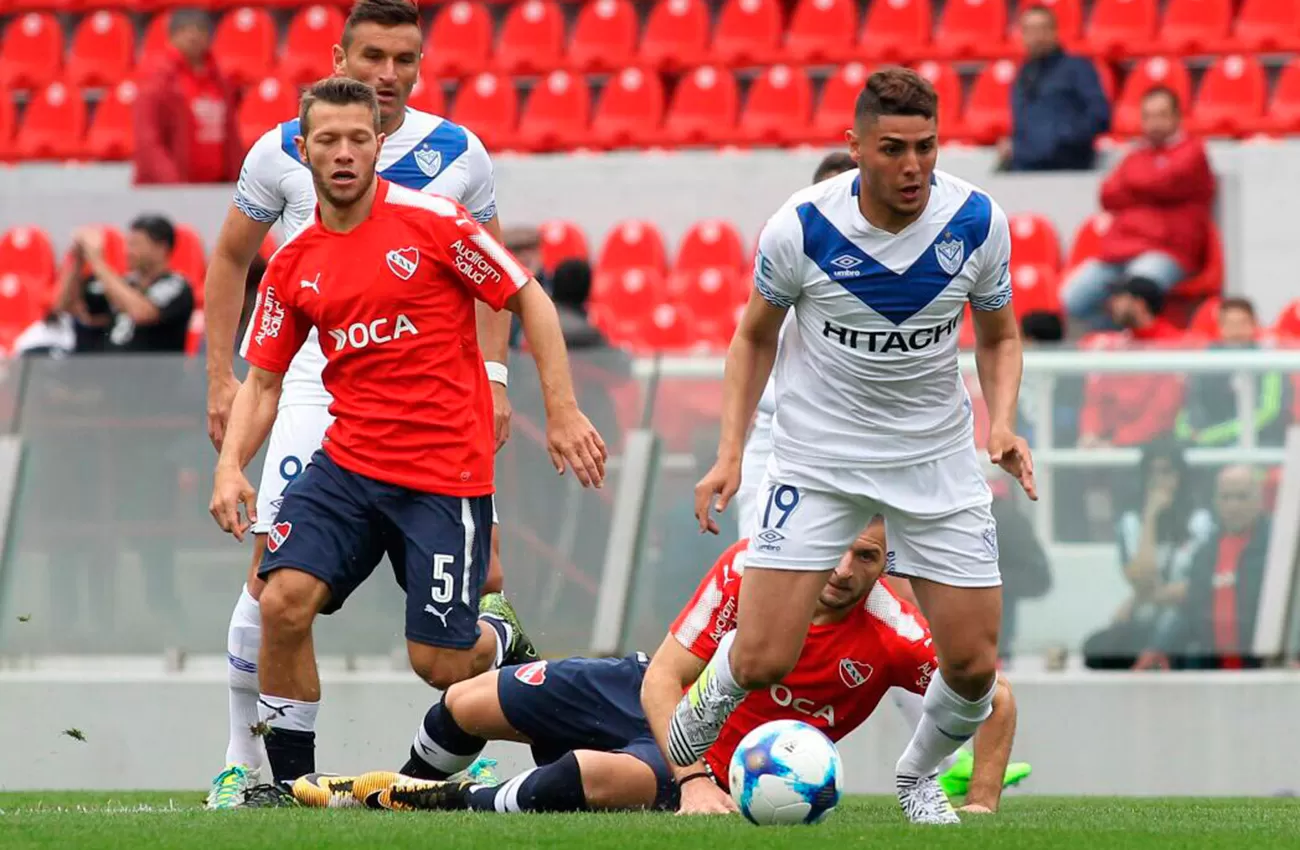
x: 11, y: 373
x: 111, y: 549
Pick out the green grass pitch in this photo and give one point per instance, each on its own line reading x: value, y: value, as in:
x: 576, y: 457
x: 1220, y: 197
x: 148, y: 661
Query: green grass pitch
x: 163, y: 820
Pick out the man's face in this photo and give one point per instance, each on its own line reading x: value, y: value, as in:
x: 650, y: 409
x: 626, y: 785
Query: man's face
x: 1038, y: 33
x: 1237, y: 499
x: 143, y: 255
x: 1236, y: 327
x: 341, y: 149
x: 896, y: 155
x: 385, y: 58
x: 192, y: 41
x: 1123, y: 309
x: 1159, y: 118
x: 858, y: 571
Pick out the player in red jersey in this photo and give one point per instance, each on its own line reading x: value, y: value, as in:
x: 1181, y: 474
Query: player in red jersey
x: 389, y: 276
x: 590, y: 738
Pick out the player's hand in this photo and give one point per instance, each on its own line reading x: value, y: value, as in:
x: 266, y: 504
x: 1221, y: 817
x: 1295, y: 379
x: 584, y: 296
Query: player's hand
x: 221, y: 397
x: 572, y: 439
x: 703, y: 797
x: 1151, y: 659
x: 501, y: 413
x: 976, y: 809
x: 91, y: 240
x: 715, y: 491
x: 1011, y: 452
x: 229, y: 492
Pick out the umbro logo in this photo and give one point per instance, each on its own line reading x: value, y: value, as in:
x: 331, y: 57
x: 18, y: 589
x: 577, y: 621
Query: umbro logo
x: 846, y: 262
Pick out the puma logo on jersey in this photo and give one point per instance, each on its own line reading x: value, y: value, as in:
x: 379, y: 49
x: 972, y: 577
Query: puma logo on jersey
x: 361, y: 335
x: 403, y: 262
x: 313, y: 284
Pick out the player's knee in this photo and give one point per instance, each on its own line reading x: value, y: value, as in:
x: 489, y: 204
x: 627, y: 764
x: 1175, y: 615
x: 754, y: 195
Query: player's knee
x: 971, y: 674
x: 441, y: 668
x: 758, y: 664
x: 462, y: 696
x: 287, y: 608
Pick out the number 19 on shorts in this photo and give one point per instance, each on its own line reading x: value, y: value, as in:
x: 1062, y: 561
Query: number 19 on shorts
x: 782, y: 499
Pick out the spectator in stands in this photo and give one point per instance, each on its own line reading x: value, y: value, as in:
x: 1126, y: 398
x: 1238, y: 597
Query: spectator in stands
x: 1159, y: 538
x: 148, y: 309
x: 1058, y: 108
x: 1159, y: 197
x: 570, y: 288
x: 185, y: 123
x: 1215, y: 624
x: 1209, y: 416
x: 1132, y: 408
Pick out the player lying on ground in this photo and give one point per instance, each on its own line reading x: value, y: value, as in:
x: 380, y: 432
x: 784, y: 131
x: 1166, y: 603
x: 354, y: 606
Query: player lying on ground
x: 388, y: 277
x: 592, y: 741
x: 380, y: 45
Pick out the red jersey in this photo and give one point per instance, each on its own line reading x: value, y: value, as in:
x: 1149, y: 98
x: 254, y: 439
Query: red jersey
x: 842, y: 674
x: 393, y: 300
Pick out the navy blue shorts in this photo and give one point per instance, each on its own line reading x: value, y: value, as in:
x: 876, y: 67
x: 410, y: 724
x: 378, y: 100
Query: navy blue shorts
x: 337, y: 526
x: 585, y: 704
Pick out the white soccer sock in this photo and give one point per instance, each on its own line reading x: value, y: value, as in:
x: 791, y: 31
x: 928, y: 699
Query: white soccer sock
x: 722, y: 666
x: 948, y: 722
x: 290, y: 714
x: 243, y: 640
x: 912, y: 707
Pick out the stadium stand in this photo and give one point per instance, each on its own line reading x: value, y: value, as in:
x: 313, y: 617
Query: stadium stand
x: 896, y: 31
x: 748, y: 32
x: 703, y: 109
x: 1191, y: 27
x: 821, y: 31
x: 562, y: 240
x: 556, y: 114
x: 31, y: 52
x: 629, y: 110
x: 1158, y: 71
x: 531, y: 39
x: 244, y: 43
x: 490, y: 105
x: 102, y: 50
x: 604, y: 36
x: 778, y: 107
x: 971, y: 29
x: 988, y: 106
x: 1231, y: 98
x: 111, y: 135
x: 306, y: 56
x: 53, y: 124
x: 676, y: 35
x: 459, y: 42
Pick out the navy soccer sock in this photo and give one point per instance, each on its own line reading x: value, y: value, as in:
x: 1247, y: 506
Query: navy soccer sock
x: 441, y: 747
x: 556, y: 787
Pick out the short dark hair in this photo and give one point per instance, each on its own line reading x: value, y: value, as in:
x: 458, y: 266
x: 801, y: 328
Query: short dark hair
x: 386, y: 13
x: 896, y: 91
x: 1238, y: 303
x: 339, y: 91
x: 157, y: 228
x: 1164, y: 91
x: 834, y: 163
x: 179, y: 19
x: 1039, y: 9
x: 1145, y: 290
x: 1042, y: 326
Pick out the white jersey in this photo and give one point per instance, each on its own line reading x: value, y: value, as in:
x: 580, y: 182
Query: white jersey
x: 866, y: 374
x: 427, y: 154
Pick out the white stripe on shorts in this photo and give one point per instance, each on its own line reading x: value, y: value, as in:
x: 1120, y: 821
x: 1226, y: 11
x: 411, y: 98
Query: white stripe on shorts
x: 467, y: 520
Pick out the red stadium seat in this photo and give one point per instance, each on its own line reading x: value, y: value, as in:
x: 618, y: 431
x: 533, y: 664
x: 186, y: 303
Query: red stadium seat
x: 1035, y: 289
x: 427, y: 96
x: 1205, y: 321
x: 1146, y: 75
x: 102, y: 50
x: 1194, y: 26
x: 1117, y: 25
x: 31, y: 51
x: 988, y: 108
x: 490, y: 105
x: 896, y: 31
x: 8, y: 120
x: 630, y: 110
x: 308, y: 45
x: 459, y: 42
x: 633, y: 244
x: 155, y: 40
x: 26, y: 251
x: 244, y: 44
x: 19, y: 307
x: 1267, y: 26
x: 1106, y: 76
x: 676, y: 35
x: 778, y: 107
x: 1283, y: 113
x: 1087, y: 239
x: 748, y: 32
x: 604, y: 36
x: 562, y: 240
x: 1287, y: 326
x: 1069, y: 22
x: 1204, y: 284
x: 621, y: 296
x: 190, y: 260
x: 666, y: 328
x: 711, y: 291
x: 1230, y: 100
x: 532, y: 38
x: 711, y: 243
x: 262, y: 107
x: 821, y: 31
x: 947, y: 86
x: 557, y: 113
x: 834, y: 112
x: 1034, y: 241
x: 54, y: 125
x: 703, y: 109
x: 970, y: 29
x: 112, y: 135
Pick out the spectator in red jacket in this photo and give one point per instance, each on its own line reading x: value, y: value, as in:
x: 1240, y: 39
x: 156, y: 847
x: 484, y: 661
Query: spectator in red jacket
x: 1126, y: 409
x: 185, y: 128
x: 1160, y: 198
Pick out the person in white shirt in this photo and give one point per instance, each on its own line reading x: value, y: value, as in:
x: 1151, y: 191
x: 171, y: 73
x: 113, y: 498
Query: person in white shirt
x: 381, y: 46
x: 872, y: 418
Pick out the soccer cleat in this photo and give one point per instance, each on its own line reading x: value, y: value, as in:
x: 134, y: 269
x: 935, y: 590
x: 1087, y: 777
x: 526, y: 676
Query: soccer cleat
x: 366, y: 787
x: 325, y: 791
x: 1017, y: 772
x: 229, y: 787
x: 482, y: 772
x: 521, y: 649
x: 269, y: 797
x: 411, y: 795
x: 698, y: 718
x: 955, y: 781
x: 923, y: 801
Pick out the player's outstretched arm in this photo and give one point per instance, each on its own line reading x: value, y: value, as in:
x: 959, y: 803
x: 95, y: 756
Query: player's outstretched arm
x: 992, y: 752
x: 570, y: 436
x: 999, y: 360
x: 223, y: 290
x: 251, y: 418
x: 672, y: 670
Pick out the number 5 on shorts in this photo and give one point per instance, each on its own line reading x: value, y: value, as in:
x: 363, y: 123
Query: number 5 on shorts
x: 785, y: 499
x: 444, y: 584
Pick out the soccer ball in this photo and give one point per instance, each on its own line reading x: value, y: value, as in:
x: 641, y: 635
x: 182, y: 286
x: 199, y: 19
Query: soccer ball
x: 786, y: 772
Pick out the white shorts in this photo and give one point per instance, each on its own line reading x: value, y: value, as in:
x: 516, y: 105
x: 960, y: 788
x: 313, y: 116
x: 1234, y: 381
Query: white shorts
x: 296, y: 435
x: 938, y: 523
